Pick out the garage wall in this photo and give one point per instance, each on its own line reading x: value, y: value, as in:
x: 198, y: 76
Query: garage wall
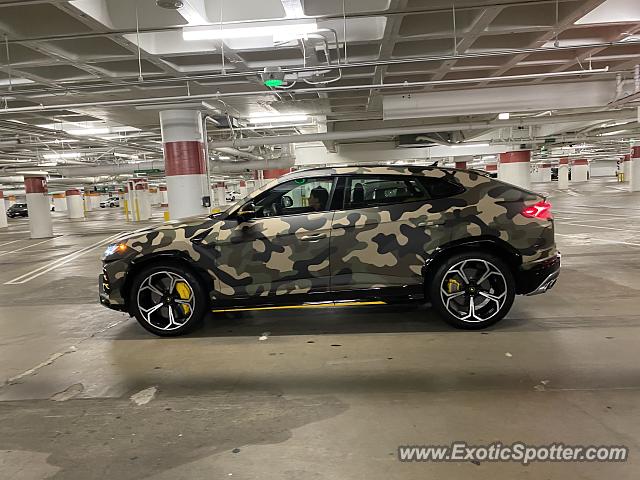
x: 603, y: 169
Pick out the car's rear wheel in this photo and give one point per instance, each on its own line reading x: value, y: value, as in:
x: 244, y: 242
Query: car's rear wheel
x: 168, y: 300
x: 472, y: 290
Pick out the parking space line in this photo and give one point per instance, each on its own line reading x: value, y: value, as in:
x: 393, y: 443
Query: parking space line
x: 27, y: 277
x: 7, y: 243
x: 28, y: 246
x: 601, y: 227
x: 604, y: 240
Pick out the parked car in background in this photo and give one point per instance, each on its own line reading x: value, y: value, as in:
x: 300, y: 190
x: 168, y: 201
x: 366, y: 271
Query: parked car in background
x: 110, y: 202
x: 232, y: 196
x: 18, y: 210
x: 458, y: 239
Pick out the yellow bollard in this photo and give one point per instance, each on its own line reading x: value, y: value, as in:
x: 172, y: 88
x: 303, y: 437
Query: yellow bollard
x: 166, y: 216
x: 126, y: 209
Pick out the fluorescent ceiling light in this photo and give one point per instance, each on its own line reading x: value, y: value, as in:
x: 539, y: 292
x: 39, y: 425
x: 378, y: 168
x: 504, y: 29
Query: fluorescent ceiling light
x: 273, y: 118
x: 279, y: 33
x: 126, y: 155
x: 48, y: 164
x: 613, y: 11
x: 224, y: 157
x: 15, y: 81
x: 88, y: 131
x: 503, y: 116
x: 57, y: 156
x: 470, y: 145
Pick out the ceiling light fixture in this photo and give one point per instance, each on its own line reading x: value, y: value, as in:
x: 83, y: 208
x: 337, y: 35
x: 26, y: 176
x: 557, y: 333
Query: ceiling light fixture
x: 57, y: 156
x: 277, y: 118
x: 503, y: 116
x: 88, y: 131
x: 279, y: 33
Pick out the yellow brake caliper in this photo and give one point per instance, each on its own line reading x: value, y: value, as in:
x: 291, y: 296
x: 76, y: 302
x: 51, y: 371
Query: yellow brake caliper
x: 185, y: 294
x: 453, y: 285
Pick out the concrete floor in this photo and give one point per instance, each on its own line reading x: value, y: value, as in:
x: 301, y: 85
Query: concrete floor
x: 331, y: 393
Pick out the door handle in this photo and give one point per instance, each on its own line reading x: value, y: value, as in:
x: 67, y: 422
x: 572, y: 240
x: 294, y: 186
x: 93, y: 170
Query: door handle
x: 313, y: 236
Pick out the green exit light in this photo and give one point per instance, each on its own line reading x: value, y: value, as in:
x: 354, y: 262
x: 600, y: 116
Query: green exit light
x: 273, y: 82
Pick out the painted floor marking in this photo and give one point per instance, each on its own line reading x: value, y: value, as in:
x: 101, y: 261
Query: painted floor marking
x: 27, y: 277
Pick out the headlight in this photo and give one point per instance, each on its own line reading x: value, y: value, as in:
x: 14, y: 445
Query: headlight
x: 115, y: 249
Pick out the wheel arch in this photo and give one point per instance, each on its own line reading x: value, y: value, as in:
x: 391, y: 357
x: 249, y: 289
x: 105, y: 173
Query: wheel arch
x: 493, y: 245
x: 166, y: 256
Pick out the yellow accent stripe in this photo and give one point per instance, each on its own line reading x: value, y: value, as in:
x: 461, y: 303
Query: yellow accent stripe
x: 312, y: 305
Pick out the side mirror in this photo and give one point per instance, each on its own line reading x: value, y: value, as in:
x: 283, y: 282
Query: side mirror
x: 247, y: 212
x: 286, y: 201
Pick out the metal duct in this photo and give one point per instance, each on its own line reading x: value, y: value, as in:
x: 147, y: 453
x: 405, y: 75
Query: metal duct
x: 238, y: 153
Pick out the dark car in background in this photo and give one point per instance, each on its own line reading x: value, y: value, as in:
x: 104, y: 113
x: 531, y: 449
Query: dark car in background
x: 458, y: 239
x: 18, y: 210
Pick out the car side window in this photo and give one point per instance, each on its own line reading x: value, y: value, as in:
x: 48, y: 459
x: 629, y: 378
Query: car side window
x: 440, y: 187
x: 302, y: 195
x: 373, y: 191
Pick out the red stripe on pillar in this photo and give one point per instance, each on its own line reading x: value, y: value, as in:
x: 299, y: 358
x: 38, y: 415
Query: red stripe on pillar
x: 626, y: 158
x: 184, y: 158
x: 635, y: 152
x: 491, y: 167
x: 546, y: 165
x: 581, y: 161
x: 564, y: 161
x: 275, y: 173
x: 139, y: 186
x: 163, y: 188
x: 72, y: 192
x: 519, y: 156
x: 1, y: 194
x: 35, y: 185
x: 461, y: 165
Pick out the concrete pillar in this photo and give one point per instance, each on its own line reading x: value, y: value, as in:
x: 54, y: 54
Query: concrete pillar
x: 274, y: 173
x: 221, y: 194
x: 3, y: 211
x: 634, y: 169
x: 579, y: 170
x: 40, y: 225
x: 74, y: 203
x: 185, y: 162
x: 545, y: 172
x: 243, y: 189
x: 141, y: 202
x: 514, y: 168
x: 461, y: 165
x: 164, y: 198
x: 59, y: 202
x: 88, y: 204
x: 491, y: 168
x: 563, y: 174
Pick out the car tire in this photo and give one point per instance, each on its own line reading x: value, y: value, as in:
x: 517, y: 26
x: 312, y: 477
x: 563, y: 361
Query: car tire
x: 472, y: 290
x: 152, y: 287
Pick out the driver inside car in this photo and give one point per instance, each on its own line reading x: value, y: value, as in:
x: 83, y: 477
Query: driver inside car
x: 318, y: 199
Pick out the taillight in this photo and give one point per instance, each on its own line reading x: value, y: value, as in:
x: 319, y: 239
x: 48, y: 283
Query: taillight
x: 541, y: 210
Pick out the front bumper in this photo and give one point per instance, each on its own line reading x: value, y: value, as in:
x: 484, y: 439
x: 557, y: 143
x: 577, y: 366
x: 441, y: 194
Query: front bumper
x: 104, y: 290
x: 540, y: 277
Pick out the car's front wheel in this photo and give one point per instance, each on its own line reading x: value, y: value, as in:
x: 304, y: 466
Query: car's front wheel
x: 168, y: 300
x: 472, y: 290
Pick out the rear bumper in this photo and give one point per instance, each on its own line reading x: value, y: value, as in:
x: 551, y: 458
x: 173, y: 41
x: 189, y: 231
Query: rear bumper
x: 539, y: 278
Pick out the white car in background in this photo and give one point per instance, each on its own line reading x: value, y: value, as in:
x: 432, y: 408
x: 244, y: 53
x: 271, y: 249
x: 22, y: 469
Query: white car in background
x: 110, y: 202
x: 232, y: 196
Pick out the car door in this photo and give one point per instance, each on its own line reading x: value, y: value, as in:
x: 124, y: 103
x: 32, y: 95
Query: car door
x: 283, y: 249
x: 383, y: 233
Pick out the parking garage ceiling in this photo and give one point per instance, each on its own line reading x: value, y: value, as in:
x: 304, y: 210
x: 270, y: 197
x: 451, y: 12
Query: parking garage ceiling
x: 87, y: 78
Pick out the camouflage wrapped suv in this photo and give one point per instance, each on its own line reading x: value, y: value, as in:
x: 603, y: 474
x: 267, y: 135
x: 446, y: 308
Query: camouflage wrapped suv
x: 458, y: 239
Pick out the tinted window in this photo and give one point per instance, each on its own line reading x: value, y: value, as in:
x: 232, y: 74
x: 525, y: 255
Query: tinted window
x: 371, y: 191
x: 440, y: 188
x: 303, y: 195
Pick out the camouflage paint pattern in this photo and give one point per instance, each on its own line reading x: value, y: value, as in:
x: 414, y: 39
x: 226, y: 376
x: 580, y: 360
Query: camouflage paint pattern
x: 345, y: 249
